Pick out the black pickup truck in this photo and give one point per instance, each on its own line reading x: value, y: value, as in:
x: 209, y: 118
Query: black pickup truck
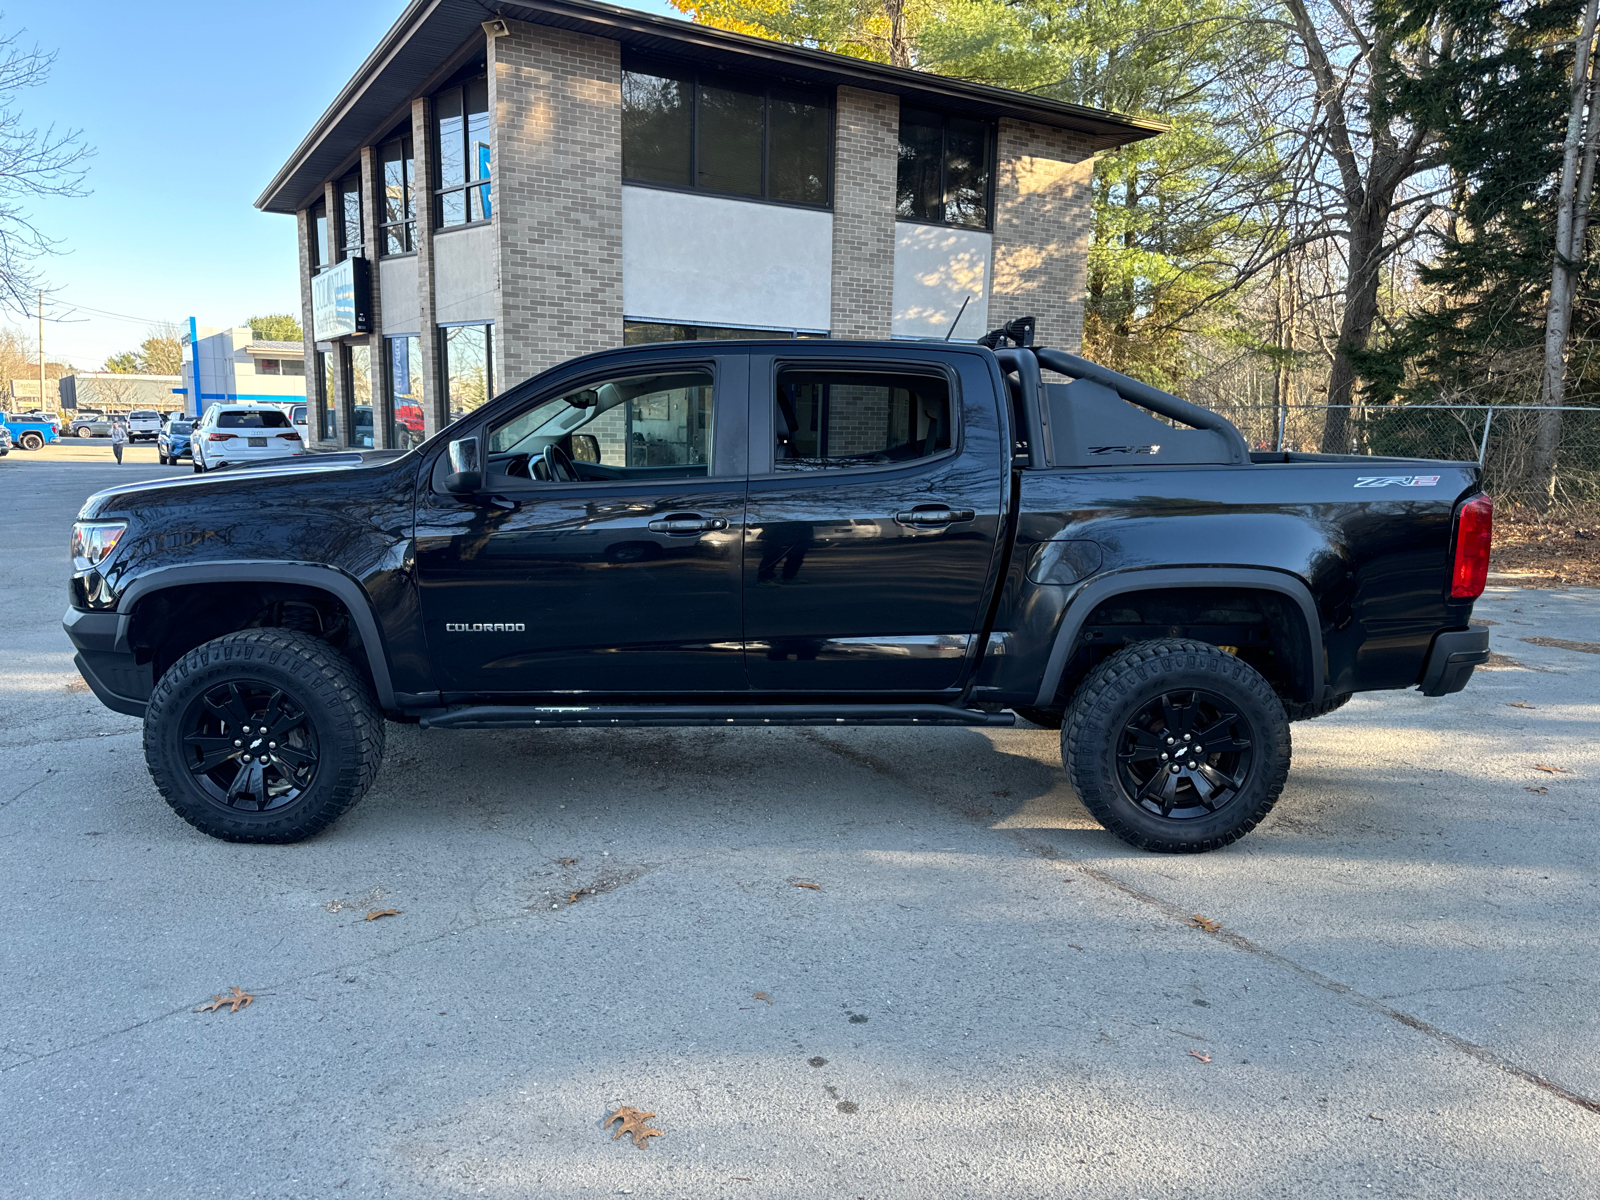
x: 810, y: 532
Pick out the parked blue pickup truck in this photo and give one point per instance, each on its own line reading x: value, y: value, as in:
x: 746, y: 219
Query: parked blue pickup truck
x: 29, y: 435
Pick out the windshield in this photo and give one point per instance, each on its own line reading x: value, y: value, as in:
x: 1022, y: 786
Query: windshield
x: 179, y: 427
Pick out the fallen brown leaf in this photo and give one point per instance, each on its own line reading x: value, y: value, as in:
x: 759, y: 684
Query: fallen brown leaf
x: 236, y: 999
x: 1552, y: 770
x: 1201, y: 921
x: 566, y: 862
x: 761, y: 996
x: 588, y: 891
x: 815, y: 887
x: 1070, y: 945
x: 1537, y: 791
x: 1519, y: 704
x: 381, y: 912
x: 631, y: 1120
x: 1201, y: 1057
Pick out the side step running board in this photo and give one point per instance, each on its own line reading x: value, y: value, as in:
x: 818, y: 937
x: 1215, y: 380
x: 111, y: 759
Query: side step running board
x: 495, y: 716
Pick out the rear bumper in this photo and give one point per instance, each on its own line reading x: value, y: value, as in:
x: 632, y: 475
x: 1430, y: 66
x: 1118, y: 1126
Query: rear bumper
x: 1451, y: 660
x: 106, y: 663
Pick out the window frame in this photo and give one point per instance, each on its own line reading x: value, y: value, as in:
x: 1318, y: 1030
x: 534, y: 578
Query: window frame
x: 407, y: 225
x: 321, y: 247
x: 344, y: 248
x: 991, y: 164
x: 696, y: 78
x: 441, y: 367
x: 764, y: 372
x: 437, y: 187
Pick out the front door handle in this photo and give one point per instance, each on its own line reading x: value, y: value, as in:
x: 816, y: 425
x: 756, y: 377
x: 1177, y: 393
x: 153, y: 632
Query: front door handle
x: 933, y: 514
x: 682, y: 523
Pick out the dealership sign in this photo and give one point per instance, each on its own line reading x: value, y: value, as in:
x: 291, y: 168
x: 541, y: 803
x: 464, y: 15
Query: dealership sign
x: 341, y: 300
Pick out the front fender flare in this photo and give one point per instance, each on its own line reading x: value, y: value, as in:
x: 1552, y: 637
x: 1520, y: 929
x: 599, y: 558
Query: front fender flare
x: 1088, y: 595
x: 319, y: 576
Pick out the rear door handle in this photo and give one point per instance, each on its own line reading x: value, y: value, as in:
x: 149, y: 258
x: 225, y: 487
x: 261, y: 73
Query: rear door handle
x: 682, y: 523
x: 933, y: 514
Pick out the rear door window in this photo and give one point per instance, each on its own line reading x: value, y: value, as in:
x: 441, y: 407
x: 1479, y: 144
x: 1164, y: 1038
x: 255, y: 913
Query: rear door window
x: 838, y: 419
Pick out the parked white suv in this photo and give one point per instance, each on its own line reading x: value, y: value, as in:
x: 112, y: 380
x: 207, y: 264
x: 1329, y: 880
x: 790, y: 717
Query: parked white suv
x: 240, y: 433
x: 144, y: 425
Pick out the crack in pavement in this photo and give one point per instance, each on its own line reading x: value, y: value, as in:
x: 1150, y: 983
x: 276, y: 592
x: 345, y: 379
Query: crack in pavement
x: 1181, y: 916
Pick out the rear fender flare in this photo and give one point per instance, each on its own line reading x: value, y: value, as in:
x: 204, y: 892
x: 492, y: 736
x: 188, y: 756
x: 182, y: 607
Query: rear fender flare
x: 1101, y: 588
x: 313, y: 575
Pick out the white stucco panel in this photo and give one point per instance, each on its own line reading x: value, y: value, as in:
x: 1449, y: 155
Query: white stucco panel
x: 935, y: 269
x: 708, y: 260
x: 465, y: 274
x: 397, y: 295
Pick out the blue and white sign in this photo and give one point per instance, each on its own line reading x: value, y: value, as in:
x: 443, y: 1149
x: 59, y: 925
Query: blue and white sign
x: 340, y: 301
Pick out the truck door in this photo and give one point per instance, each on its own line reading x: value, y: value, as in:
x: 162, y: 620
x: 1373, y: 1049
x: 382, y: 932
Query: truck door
x: 604, y: 554
x: 878, y: 477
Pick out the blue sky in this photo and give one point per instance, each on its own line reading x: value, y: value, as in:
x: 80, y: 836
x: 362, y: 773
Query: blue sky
x: 191, y: 107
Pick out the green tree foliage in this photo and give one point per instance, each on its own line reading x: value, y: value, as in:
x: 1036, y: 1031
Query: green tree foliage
x: 276, y: 327
x: 126, y: 363
x: 1500, y: 104
x: 158, y: 354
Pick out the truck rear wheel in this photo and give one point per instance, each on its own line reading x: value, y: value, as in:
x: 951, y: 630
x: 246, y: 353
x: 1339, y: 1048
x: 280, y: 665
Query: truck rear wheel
x: 266, y: 735
x: 31, y: 441
x: 1175, y: 746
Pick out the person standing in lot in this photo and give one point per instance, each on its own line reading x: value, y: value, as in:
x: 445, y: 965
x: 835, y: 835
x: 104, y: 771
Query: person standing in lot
x: 119, y: 437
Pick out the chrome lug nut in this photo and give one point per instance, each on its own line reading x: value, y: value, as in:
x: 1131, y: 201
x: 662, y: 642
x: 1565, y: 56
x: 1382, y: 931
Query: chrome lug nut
x: 1174, y: 768
x: 237, y: 742
x: 1164, y: 757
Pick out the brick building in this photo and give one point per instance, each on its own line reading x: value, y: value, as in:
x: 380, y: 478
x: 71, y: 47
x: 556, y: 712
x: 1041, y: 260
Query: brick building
x: 485, y: 199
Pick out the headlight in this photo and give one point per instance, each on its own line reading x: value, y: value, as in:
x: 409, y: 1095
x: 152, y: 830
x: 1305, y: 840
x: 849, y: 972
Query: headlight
x: 93, y: 542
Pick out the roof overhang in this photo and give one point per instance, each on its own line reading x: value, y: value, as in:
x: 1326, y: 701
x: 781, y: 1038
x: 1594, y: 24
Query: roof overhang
x: 427, y: 40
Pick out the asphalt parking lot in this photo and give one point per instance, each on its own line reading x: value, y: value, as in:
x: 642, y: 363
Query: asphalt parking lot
x: 983, y: 995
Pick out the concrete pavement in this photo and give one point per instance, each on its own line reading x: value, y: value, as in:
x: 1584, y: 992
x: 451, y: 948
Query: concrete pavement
x: 986, y: 995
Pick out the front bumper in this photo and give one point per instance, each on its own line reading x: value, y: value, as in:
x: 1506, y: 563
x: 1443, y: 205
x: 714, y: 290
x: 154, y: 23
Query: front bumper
x: 1451, y: 660
x: 106, y: 661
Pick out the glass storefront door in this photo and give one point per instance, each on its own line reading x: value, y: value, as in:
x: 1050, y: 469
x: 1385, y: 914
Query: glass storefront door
x: 405, y: 391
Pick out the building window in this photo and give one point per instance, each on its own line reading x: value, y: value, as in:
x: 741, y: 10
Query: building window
x: 403, y: 363
x: 399, y: 226
x: 461, y: 133
x: 637, y: 332
x: 267, y: 366
x: 466, y: 367
x: 319, y: 237
x: 351, y: 241
x: 326, y: 430
x: 734, y: 138
x: 944, y: 169
x: 292, y: 366
x: 358, y: 396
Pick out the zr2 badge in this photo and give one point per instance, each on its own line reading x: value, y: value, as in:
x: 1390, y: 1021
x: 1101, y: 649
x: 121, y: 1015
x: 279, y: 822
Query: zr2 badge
x: 1397, y: 480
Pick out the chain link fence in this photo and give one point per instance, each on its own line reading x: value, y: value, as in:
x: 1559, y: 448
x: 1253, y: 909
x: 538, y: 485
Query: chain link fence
x: 1502, y: 438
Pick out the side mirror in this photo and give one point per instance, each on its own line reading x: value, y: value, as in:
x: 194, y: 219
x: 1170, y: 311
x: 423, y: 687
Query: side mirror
x: 585, y: 448
x: 466, y: 468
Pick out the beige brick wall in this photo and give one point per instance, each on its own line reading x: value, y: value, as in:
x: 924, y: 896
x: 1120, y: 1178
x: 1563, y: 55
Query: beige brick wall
x: 557, y: 100
x: 866, y: 154
x: 1043, y: 221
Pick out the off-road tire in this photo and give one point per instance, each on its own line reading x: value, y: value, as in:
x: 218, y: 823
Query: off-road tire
x: 338, y: 705
x: 1116, y: 692
x: 1318, y: 708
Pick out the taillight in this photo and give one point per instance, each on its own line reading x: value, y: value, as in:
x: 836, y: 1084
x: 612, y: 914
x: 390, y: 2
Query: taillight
x: 221, y: 437
x: 291, y: 436
x: 1474, y: 531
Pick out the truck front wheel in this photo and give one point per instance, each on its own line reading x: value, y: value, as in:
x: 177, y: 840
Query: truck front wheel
x: 1176, y: 746
x: 266, y: 735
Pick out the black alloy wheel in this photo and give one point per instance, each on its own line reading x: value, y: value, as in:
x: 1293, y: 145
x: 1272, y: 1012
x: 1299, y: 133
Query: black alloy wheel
x: 1176, y: 746
x: 249, y: 746
x: 1185, y: 754
x: 265, y: 735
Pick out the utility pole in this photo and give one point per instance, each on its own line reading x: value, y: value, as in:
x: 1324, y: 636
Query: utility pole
x: 41, y: 350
